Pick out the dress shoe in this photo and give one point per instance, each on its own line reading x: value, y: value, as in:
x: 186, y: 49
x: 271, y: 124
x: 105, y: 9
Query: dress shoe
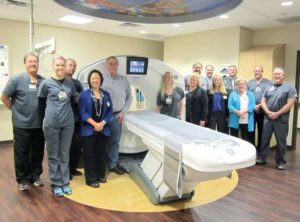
x: 94, y: 185
x: 102, y: 180
x: 117, y: 170
x: 122, y: 168
x: 76, y: 173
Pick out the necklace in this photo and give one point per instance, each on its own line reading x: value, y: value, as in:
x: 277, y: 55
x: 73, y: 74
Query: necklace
x: 97, y: 103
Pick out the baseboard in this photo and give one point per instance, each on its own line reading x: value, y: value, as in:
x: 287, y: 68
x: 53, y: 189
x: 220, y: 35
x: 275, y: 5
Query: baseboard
x: 4, y: 142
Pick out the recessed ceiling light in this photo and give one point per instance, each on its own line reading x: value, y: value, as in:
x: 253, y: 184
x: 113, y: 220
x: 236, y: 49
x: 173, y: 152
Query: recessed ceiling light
x: 176, y: 25
x: 75, y: 19
x: 287, y: 3
x: 143, y: 31
x: 223, y: 16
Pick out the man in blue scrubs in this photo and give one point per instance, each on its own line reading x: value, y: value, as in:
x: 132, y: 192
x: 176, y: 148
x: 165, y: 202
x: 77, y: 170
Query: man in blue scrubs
x: 20, y: 96
x: 258, y: 86
x: 277, y: 102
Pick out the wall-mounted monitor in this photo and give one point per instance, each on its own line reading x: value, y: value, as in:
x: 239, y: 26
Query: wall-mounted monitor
x: 137, y: 65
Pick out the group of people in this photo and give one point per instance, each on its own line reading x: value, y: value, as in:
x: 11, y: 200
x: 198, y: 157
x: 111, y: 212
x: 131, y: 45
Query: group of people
x: 232, y: 105
x: 57, y: 112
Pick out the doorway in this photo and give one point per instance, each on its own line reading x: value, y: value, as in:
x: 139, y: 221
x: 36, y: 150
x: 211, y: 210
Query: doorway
x: 296, y: 122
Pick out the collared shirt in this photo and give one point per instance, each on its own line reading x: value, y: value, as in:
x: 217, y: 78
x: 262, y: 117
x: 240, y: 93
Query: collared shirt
x: 24, y: 100
x: 229, y: 83
x: 205, y: 82
x: 119, y: 90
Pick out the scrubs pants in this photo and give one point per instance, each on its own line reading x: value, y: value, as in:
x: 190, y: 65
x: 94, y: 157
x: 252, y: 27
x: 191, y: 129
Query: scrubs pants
x: 28, y: 154
x: 58, y: 141
x: 280, y: 129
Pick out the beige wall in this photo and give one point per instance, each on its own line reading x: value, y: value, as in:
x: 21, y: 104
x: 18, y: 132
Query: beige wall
x: 288, y: 35
x: 223, y: 47
x: 216, y: 47
x: 84, y: 46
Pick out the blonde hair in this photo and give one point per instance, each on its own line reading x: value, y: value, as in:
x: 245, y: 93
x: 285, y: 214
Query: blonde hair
x: 240, y: 79
x: 213, y: 87
x: 195, y: 75
x: 163, y: 83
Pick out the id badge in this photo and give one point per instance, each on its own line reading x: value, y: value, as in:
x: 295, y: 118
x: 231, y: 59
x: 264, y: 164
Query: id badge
x: 169, y: 100
x: 62, y: 95
x: 32, y: 87
x: 257, y: 89
x: 272, y: 89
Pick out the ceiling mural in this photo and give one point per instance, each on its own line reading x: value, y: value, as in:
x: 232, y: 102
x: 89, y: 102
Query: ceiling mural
x: 151, y: 11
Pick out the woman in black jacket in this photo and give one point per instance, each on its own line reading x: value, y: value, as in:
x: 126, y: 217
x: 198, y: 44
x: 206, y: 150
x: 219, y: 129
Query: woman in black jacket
x: 196, y: 102
x: 218, y: 110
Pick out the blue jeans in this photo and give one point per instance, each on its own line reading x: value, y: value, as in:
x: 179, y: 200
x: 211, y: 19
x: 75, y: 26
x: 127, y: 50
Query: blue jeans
x: 113, y: 143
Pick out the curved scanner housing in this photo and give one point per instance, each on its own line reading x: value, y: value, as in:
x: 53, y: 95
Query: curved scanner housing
x: 181, y: 155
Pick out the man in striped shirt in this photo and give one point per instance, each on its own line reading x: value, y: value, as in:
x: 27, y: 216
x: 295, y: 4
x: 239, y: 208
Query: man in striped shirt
x: 120, y: 92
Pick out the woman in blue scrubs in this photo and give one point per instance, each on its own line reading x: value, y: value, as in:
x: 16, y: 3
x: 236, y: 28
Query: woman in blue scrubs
x: 55, y: 96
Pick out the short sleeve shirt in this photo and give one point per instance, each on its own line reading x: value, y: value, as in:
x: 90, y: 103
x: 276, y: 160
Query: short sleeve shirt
x: 170, y: 104
x: 277, y: 96
x: 24, y: 100
x: 258, y: 88
x: 58, y: 95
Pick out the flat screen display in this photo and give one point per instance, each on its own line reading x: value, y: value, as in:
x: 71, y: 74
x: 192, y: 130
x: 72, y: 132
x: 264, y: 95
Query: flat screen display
x: 137, y: 65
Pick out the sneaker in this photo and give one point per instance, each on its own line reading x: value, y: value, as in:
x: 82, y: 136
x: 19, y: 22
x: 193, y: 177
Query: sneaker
x: 76, y: 173
x: 260, y: 161
x: 67, y: 189
x: 57, y: 191
x: 24, y: 186
x: 38, y: 183
x: 281, y: 166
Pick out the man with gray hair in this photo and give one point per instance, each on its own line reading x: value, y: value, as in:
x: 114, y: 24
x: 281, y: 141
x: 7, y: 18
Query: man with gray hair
x: 120, y: 92
x: 277, y: 102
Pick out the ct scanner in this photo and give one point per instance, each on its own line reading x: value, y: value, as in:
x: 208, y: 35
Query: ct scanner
x: 181, y: 155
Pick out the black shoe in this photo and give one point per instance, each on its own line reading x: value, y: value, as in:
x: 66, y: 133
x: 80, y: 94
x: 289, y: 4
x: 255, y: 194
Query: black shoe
x: 122, y: 168
x: 102, y: 180
x: 117, y: 170
x: 260, y: 162
x: 94, y: 185
x: 76, y: 173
